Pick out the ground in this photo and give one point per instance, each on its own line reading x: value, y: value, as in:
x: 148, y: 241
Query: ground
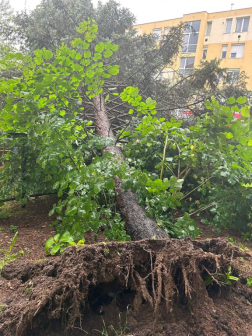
x: 139, y: 288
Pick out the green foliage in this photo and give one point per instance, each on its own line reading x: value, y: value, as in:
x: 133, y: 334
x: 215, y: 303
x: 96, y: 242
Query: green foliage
x: 205, y: 167
x: 249, y: 282
x: 52, y: 147
x: 221, y: 278
x: 59, y: 243
x: 7, y: 255
x: 13, y: 228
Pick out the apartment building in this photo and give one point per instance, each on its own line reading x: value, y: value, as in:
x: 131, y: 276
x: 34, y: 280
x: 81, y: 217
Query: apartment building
x: 224, y: 35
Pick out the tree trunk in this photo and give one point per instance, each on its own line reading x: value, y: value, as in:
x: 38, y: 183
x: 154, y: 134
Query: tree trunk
x: 137, y: 224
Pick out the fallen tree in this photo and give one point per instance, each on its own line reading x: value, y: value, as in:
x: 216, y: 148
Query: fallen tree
x: 138, y: 225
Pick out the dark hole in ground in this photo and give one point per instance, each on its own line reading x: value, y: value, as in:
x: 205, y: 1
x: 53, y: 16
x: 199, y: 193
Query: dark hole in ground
x: 102, y: 295
x: 180, y: 284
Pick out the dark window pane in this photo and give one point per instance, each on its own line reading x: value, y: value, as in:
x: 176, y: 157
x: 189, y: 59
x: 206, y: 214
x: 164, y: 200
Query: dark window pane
x: 196, y: 26
x: 245, y: 25
x: 192, y: 48
x: 189, y: 62
x: 194, y: 38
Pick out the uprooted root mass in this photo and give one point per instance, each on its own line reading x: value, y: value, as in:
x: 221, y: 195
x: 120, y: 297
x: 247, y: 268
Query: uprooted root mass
x: 158, y: 284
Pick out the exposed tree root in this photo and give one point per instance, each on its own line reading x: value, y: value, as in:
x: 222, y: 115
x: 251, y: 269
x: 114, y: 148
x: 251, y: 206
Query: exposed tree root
x: 158, y: 276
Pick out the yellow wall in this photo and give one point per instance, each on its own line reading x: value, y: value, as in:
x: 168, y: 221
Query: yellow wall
x: 217, y: 38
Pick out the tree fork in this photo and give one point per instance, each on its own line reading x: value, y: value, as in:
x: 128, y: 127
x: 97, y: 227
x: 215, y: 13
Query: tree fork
x: 137, y: 224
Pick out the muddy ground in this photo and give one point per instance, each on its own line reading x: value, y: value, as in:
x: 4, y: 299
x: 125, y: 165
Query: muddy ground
x: 151, y: 287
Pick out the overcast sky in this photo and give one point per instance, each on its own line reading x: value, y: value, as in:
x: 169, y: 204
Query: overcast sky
x: 157, y: 10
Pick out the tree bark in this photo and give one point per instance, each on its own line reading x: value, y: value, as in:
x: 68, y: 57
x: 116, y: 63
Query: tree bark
x: 137, y: 224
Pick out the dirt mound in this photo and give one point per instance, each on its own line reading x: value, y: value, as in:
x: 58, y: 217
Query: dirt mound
x: 150, y: 287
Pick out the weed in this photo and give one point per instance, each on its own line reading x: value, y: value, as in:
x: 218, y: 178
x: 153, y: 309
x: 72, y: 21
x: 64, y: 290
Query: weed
x: 247, y: 236
x: 59, y: 243
x: 231, y: 240
x: 10, y: 209
x: 221, y: 278
x: 13, y: 228
x: 123, y: 327
x: 1, y: 229
x: 27, y: 291
x: 2, y: 306
x: 8, y: 256
x: 22, y: 253
x: 241, y: 246
x: 249, y: 282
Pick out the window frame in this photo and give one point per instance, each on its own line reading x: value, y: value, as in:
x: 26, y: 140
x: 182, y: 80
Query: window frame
x: 189, y: 31
x: 223, y: 46
x: 209, y: 22
x: 228, y: 32
x: 234, y: 71
x: 204, y: 55
x: 159, y: 36
x: 189, y: 70
x: 234, y: 45
x: 242, y: 18
x: 166, y: 32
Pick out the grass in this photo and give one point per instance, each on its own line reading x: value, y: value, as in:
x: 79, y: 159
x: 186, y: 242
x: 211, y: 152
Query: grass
x: 10, y: 209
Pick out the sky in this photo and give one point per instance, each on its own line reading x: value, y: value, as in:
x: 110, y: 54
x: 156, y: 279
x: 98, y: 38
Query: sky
x: 158, y: 10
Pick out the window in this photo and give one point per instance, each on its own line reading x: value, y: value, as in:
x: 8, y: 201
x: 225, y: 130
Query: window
x: 209, y: 28
x: 228, y: 26
x: 232, y: 76
x: 191, y: 36
x: 204, y: 54
x: 242, y: 25
x: 166, y: 31
x: 237, y: 51
x: 157, y: 32
x: 186, y: 66
x: 224, y: 51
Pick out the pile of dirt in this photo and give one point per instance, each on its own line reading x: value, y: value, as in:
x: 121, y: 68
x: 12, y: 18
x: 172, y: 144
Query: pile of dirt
x: 150, y: 287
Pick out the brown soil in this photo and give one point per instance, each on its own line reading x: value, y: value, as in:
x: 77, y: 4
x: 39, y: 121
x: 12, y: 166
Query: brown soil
x: 160, y: 281
x: 145, y: 288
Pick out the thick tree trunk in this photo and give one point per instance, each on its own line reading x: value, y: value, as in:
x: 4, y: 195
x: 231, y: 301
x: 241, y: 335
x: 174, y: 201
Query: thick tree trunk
x: 137, y: 224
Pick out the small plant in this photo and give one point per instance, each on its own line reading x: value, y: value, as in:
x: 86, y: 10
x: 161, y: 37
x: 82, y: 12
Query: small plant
x: 231, y: 240
x: 249, y: 282
x: 123, y: 328
x: 227, y: 278
x: 13, y: 228
x: 1, y: 229
x: 59, y: 243
x: 7, y: 255
x: 247, y: 236
x: 27, y: 291
x: 221, y: 278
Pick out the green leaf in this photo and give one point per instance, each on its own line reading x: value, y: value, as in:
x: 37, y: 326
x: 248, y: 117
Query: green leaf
x: 13, y: 241
x: 47, y: 54
x: 229, y: 135
x: 245, y: 111
x: 231, y: 101
x: 241, y: 100
x: 114, y: 47
x: 108, y: 53
x: 66, y: 238
x: 49, y: 243
x: 87, y: 54
x: 55, y: 249
x: 99, y: 47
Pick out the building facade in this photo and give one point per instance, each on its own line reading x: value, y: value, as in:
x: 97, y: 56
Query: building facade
x: 224, y: 35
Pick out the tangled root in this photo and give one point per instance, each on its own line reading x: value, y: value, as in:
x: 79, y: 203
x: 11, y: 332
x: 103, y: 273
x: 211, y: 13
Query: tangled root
x: 162, y: 274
